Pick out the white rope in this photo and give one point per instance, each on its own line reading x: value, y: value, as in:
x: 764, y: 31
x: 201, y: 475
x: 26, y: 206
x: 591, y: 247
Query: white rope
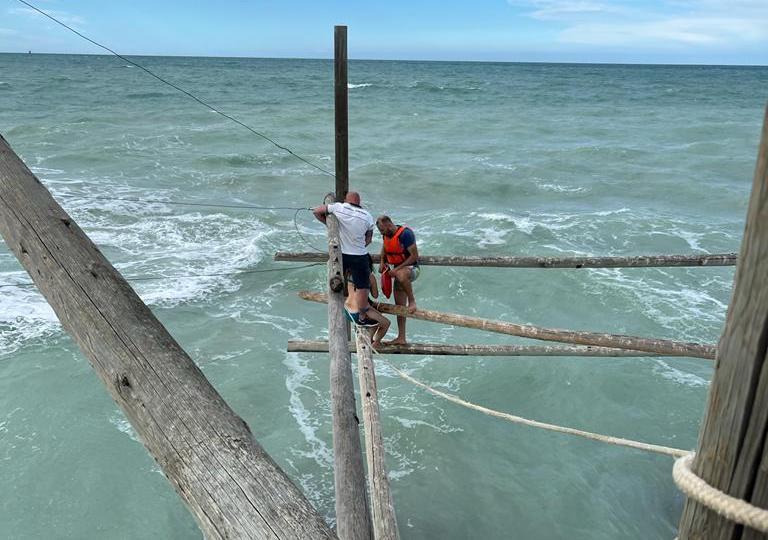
x: 674, y: 452
x: 727, y: 506
x: 731, y: 508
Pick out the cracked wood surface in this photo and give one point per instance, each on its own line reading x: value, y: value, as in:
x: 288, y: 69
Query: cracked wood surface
x: 352, y: 517
x: 382, y: 505
x: 731, y: 454
x: 230, y: 484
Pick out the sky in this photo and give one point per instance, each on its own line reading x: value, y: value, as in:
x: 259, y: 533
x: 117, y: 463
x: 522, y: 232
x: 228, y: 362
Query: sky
x: 616, y: 31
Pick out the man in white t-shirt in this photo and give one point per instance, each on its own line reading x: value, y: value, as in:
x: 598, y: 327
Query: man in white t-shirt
x: 355, y: 233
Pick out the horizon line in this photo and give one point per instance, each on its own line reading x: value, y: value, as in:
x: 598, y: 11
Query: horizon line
x: 671, y: 64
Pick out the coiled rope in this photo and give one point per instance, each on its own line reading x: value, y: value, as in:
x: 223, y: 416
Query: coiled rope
x: 729, y: 507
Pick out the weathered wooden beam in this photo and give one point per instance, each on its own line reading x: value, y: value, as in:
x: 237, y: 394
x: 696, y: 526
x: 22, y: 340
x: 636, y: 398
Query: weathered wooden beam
x: 732, y: 454
x: 661, y: 346
x: 341, y: 110
x: 352, y: 518
x: 441, y: 349
x: 639, y: 261
x: 382, y: 505
x: 229, y: 483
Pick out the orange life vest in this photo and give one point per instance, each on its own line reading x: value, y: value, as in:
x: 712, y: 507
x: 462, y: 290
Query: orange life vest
x: 394, y: 249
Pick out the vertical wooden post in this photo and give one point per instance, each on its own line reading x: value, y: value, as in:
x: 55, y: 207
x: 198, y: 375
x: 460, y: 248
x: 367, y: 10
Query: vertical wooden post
x: 732, y: 454
x: 340, y: 93
x: 382, y: 506
x: 352, y: 518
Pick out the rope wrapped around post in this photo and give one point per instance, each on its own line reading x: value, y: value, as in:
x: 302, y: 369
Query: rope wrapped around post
x: 727, y: 506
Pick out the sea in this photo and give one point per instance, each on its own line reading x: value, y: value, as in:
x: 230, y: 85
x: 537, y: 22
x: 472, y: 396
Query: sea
x: 488, y: 159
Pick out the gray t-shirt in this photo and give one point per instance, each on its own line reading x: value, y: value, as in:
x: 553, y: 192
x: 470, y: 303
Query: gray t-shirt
x: 354, y: 223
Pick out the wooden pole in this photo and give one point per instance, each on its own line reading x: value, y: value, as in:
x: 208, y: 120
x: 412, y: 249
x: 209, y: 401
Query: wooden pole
x: 441, y: 349
x: 661, y: 346
x: 382, y: 506
x: 229, y: 483
x: 341, y: 91
x: 731, y: 454
x: 638, y: 261
x: 353, y: 520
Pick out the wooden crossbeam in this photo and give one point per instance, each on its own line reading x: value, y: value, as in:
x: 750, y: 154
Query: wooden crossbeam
x: 661, y: 346
x: 638, y: 261
x: 442, y: 349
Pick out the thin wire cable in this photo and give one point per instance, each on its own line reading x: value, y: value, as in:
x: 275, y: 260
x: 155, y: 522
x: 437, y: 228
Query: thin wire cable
x: 184, y: 203
x: 216, y: 205
x: 189, y: 94
x: 303, y: 239
x: 182, y: 276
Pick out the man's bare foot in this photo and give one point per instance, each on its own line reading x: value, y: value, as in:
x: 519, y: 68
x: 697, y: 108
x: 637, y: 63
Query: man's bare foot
x: 396, y: 341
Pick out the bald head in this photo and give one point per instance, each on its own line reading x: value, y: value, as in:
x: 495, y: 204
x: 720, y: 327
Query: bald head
x: 353, y: 197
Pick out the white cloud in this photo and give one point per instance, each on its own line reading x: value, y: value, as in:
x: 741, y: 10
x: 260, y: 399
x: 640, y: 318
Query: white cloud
x: 668, y: 22
x: 63, y: 16
x: 692, y: 31
x: 562, y: 9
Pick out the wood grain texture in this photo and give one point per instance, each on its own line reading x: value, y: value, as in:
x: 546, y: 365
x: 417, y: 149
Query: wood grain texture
x: 442, y: 349
x: 352, y: 519
x: 639, y: 261
x: 731, y: 453
x: 660, y: 346
x: 382, y: 505
x: 341, y: 111
x: 229, y: 483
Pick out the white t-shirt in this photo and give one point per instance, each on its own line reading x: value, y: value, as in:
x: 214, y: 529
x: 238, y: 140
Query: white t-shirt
x: 354, y: 223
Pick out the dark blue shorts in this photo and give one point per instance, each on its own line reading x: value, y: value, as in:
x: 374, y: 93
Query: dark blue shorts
x: 358, y: 267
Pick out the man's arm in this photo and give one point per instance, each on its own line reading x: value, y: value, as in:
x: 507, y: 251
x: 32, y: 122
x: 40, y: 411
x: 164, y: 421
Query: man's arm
x: 321, y: 212
x: 408, y: 241
x: 383, y: 260
x: 413, y: 256
x: 368, y: 237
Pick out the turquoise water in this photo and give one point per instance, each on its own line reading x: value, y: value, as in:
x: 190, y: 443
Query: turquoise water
x: 480, y: 159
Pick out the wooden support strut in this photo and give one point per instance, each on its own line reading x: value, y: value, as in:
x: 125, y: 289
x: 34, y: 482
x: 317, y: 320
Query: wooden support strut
x: 732, y: 454
x: 229, y: 483
x: 353, y: 520
x: 639, y: 261
x: 382, y: 506
x: 661, y: 346
x: 442, y: 349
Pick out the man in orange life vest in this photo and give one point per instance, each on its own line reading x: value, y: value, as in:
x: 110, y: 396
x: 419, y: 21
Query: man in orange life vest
x: 400, y: 251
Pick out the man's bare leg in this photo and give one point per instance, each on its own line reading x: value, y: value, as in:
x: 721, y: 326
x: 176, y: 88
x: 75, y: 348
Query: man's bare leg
x: 374, y: 286
x: 350, y: 300
x: 367, y: 312
x: 400, y: 299
x: 383, y: 327
x: 403, y: 277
